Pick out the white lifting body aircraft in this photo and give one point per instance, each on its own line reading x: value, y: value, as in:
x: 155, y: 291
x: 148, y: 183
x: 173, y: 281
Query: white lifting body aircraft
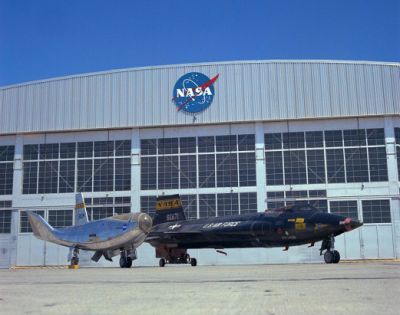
x: 117, y: 235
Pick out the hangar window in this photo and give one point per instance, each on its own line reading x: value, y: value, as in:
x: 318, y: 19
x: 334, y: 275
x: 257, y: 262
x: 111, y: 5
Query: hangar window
x: 207, y: 205
x: 295, y: 167
x: 187, y: 171
x: 206, y: 144
x: 24, y: 225
x: 187, y: 145
x: 273, y: 141
x: 274, y: 167
x: 347, y: 208
x: 293, y: 140
x: 148, y: 146
x: 168, y: 146
x: 354, y: 137
x: 246, y: 142
x: 5, y: 217
x: 248, y: 202
x: 206, y: 170
x: 227, y: 170
x: 376, y: 211
x: 227, y: 204
x: 279, y: 199
x: 314, y: 139
x: 6, y: 169
x: 315, y: 166
x: 103, y: 207
x: 148, y: 172
x: 226, y: 143
x: 376, y: 136
x: 168, y: 172
x: 335, y: 166
x: 356, y: 165
x: 333, y: 138
x: 247, y: 169
x: 377, y: 164
x: 60, y: 218
x: 189, y: 204
x: 93, y: 166
x: 148, y: 205
x: 397, y: 136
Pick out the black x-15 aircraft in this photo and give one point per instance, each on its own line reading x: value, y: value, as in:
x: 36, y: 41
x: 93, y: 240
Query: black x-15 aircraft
x: 293, y: 225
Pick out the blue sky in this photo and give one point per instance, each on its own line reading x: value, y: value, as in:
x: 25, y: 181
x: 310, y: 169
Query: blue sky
x: 49, y: 38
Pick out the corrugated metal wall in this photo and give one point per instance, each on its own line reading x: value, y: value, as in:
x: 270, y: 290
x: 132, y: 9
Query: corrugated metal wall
x: 245, y: 91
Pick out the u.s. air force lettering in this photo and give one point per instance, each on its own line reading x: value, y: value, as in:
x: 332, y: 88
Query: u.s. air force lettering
x: 221, y: 224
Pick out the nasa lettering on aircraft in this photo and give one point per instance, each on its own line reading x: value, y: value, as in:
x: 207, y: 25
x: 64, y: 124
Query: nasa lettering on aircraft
x: 194, y: 92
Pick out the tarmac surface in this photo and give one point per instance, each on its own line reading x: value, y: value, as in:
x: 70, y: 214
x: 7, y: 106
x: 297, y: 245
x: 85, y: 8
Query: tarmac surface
x: 353, y: 288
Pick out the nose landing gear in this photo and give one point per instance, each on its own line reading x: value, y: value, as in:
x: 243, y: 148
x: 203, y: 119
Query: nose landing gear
x: 127, y: 257
x: 331, y: 256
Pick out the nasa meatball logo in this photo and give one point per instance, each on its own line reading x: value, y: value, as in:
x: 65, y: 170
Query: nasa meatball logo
x: 194, y: 92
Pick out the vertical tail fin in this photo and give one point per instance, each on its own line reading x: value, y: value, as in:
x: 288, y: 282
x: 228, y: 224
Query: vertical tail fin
x: 40, y: 228
x: 81, y: 216
x: 168, y: 209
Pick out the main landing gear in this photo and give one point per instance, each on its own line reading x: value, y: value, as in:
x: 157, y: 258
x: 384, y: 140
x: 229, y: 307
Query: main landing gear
x: 74, y: 259
x: 185, y: 259
x: 331, y: 256
x: 126, y: 259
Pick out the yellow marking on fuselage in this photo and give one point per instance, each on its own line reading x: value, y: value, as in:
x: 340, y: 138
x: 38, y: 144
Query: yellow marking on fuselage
x: 80, y: 205
x: 299, y: 224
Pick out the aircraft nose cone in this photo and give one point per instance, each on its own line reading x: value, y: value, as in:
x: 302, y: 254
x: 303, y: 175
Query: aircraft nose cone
x: 351, y: 224
x: 145, y: 222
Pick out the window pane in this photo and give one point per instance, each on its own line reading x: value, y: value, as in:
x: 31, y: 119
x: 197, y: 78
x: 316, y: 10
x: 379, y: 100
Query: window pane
x: 356, y: 165
x: 274, y: 168
x: 293, y: 140
x: 67, y: 176
x: 85, y: 168
x: 376, y: 136
x: 246, y: 142
x: 31, y: 151
x: 25, y: 226
x: 7, y: 153
x: 67, y: 150
x: 60, y: 218
x: 5, y: 221
x: 376, y: 211
x: 295, y: 167
x: 187, y: 145
x: 226, y: 143
x: 103, y: 175
x: 397, y: 135
x: 48, y: 177
x: 123, y: 148
x: 344, y: 208
x: 273, y: 141
x: 85, y: 149
x: 148, y: 205
x: 207, y: 205
x: 168, y: 146
x: 315, y: 166
x: 378, y: 164
x: 206, y: 170
x: 188, y: 173
x: 148, y: 146
x: 227, y: 173
x: 123, y: 174
x: 206, y: 144
x: 354, y: 137
x: 189, y: 204
x: 148, y: 171
x: 103, y: 148
x: 321, y: 205
x: 227, y: 204
x: 335, y: 165
x: 102, y: 212
x: 333, y: 138
x: 49, y: 151
x: 30, y: 177
x: 168, y: 172
x: 6, y: 178
x: 314, y: 139
x: 248, y: 202
x: 247, y: 169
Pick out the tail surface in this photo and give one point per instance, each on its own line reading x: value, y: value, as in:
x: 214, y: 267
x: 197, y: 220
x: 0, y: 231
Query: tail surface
x: 81, y: 216
x: 41, y: 229
x: 168, y: 209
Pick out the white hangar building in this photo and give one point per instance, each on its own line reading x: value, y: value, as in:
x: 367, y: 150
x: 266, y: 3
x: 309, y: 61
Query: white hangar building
x: 266, y: 133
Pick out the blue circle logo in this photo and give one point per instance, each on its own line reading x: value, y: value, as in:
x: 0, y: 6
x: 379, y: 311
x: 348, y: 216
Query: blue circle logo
x: 194, y: 92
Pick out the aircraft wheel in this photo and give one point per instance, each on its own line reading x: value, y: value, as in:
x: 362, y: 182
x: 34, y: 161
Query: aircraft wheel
x: 161, y: 263
x: 187, y: 258
x: 74, y: 261
x: 193, y: 262
x: 336, y: 257
x: 128, y: 263
x: 328, y: 257
x: 123, y: 262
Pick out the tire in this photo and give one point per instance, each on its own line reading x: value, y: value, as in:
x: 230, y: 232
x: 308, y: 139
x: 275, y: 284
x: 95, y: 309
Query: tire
x: 122, y: 262
x: 128, y: 263
x: 193, y: 262
x: 161, y: 263
x: 336, y: 257
x: 328, y: 257
x: 74, y: 261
